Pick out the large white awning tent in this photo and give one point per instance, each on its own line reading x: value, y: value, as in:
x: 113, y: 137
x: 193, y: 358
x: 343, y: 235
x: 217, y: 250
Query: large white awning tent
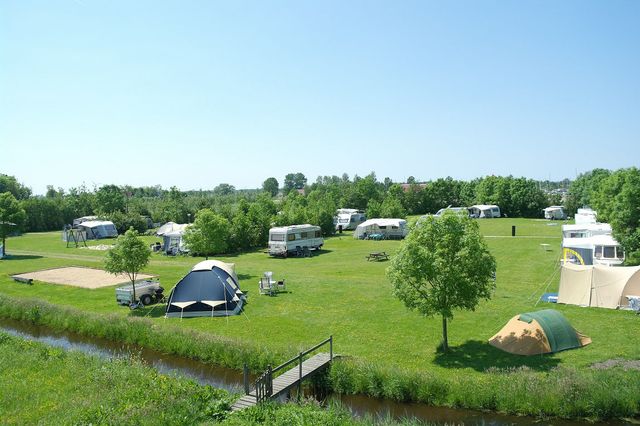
x: 171, y: 227
x: 484, y: 211
x: 210, y: 289
x: 97, y: 229
x: 389, y: 228
x: 598, y: 286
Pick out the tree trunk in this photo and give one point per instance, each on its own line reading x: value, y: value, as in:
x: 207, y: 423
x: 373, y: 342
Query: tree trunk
x: 133, y: 284
x: 445, y: 341
x: 3, y: 251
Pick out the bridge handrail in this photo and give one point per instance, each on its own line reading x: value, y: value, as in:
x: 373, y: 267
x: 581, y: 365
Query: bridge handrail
x: 298, y: 357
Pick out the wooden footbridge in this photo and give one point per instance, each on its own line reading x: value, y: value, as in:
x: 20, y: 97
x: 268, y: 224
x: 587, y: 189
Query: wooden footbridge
x: 267, y: 387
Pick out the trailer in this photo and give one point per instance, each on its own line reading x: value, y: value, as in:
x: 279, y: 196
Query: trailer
x: 147, y: 292
x: 348, y: 219
x: 294, y: 240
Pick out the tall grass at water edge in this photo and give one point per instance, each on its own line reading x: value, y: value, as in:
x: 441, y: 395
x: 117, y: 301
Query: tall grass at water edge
x: 559, y: 392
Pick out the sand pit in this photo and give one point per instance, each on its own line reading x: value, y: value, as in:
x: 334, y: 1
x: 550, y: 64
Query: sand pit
x: 79, y: 277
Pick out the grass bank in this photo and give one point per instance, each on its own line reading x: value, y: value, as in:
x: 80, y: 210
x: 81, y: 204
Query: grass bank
x: 556, y: 392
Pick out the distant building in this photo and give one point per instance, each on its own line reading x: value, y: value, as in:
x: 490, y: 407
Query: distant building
x: 406, y: 186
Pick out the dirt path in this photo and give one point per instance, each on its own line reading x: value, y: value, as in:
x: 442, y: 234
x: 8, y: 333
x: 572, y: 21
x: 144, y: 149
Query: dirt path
x: 94, y: 259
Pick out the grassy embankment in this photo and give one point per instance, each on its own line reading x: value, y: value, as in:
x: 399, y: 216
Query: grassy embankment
x: 46, y: 385
x: 391, y: 350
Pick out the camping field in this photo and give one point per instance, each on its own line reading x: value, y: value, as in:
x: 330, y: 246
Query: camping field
x: 338, y: 292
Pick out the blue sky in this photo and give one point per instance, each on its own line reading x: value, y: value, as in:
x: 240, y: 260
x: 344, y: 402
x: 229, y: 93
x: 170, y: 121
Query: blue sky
x: 194, y: 94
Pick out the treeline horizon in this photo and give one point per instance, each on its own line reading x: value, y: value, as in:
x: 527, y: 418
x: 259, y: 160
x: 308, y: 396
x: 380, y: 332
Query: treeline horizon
x: 251, y: 212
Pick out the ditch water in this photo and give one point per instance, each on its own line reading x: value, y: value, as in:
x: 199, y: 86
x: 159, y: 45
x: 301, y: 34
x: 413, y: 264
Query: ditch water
x: 231, y: 380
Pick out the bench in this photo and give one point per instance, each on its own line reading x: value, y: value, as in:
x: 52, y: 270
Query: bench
x: 377, y: 256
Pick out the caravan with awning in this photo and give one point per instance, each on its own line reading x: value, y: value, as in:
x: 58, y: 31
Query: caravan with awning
x: 596, y: 250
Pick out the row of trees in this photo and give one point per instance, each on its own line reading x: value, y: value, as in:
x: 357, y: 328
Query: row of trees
x: 250, y: 213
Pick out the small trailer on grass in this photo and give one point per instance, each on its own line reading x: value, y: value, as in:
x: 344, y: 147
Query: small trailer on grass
x: 147, y: 292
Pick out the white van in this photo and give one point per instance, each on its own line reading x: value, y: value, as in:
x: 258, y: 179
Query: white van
x: 349, y: 218
x: 294, y: 239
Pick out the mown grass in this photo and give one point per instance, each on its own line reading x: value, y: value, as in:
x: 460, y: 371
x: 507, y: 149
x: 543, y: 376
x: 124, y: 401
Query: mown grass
x: 338, y: 292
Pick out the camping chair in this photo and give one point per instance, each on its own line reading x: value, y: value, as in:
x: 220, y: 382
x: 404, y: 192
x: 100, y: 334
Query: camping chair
x: 282, y: 286
x: 265, y: 286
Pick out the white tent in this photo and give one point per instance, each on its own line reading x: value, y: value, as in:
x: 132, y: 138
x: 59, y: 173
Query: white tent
x: 598, y: 286
x: 97, y: 229
x: 171, y: 227
x: 389, y: 228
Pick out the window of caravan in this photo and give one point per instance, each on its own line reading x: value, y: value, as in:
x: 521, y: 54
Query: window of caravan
x: 609, y: 252
x: 620, y: 252
x: 598, y: 252
x: 383, y: 227
x: 495, y: 211
x: 291, y: 237
x: 318, y: 234
x: 394, y: 227
x: 277, y: 237
x: 303, y: 236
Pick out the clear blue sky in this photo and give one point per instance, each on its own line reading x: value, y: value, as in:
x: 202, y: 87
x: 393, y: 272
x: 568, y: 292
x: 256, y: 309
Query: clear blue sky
x: 194, y: 94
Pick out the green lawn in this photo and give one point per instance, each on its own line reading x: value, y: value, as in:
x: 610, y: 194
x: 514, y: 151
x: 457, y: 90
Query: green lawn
x: 338, y: 292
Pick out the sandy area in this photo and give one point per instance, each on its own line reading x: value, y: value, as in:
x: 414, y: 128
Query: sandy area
x: 79, y: 277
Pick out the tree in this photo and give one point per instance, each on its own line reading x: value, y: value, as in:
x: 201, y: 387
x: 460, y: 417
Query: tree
x: 109, y: 199
x: 224, y: 189
x: 270, y: 185
x: 12, y: 215
x: 208, y: 234
x: 10, y: 184
x: 294, y: 181
x: 129, y: 256
x: 443, y: 265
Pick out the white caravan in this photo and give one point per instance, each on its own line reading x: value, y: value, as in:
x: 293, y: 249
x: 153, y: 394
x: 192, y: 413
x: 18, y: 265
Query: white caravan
x: 349, y: 218
x: 585, y: 230
x: 586, y: 216
x: 596, y: 250
x: 484, y: 211
x: 554, y: 213
x: 294, y: 239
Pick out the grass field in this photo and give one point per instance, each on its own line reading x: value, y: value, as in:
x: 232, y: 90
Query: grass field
x: 338, y: 292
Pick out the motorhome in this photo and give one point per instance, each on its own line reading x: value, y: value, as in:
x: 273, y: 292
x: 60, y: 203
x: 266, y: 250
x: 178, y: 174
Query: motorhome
x: 585, y: 216
x: 484, y: 211
x: 346, y: 219
x: 554, y: 213
x: 294, y: 239
x: 595, y: 250
x: 585, y: 230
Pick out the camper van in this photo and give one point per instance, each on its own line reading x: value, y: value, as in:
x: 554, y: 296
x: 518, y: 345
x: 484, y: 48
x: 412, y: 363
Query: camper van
x: 349, y: 218
x: 596, y: 250
x: 554, y: 213
x: 484, y: 211
x: 585, y: 216
x: 585, y: 230
x: 294, y: 239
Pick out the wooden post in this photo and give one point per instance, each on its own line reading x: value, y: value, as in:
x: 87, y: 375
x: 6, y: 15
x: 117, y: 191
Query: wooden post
x: 300, y: 377
x: 245, y: 373
x: 331, y: 348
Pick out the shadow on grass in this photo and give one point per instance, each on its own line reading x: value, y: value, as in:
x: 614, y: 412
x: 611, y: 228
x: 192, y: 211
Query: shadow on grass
x: 481, y: 356
x: 10, y: 257
x: 151, y: 311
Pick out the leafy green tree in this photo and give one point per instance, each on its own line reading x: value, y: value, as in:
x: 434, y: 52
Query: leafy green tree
x: 129, y: 256
x: 583, y: 190
x: 270, y: 186
x: 12, y: 216
x: 374, y: 209
x: 224, y: 189
x: 392, y: 207
x: 618, y: 203
x: 109, y: 199
x: 294, y: 181
x: 43, y: 213
x: 10, y: 184
x: 443, y: 265
x: 208, y: 234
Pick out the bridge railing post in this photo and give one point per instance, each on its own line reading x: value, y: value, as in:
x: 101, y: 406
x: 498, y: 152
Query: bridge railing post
x: 245, y: 374
x: 331, y: 347
x: 300, y: 376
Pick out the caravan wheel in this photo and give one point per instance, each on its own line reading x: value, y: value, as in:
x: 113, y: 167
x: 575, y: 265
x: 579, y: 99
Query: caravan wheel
x: 145, y: 300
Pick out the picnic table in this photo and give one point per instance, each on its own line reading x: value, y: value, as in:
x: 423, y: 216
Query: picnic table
x: 377, y: 256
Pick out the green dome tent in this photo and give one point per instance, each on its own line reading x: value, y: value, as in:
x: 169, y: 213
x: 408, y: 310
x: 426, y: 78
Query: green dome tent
x: 539, y: 332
